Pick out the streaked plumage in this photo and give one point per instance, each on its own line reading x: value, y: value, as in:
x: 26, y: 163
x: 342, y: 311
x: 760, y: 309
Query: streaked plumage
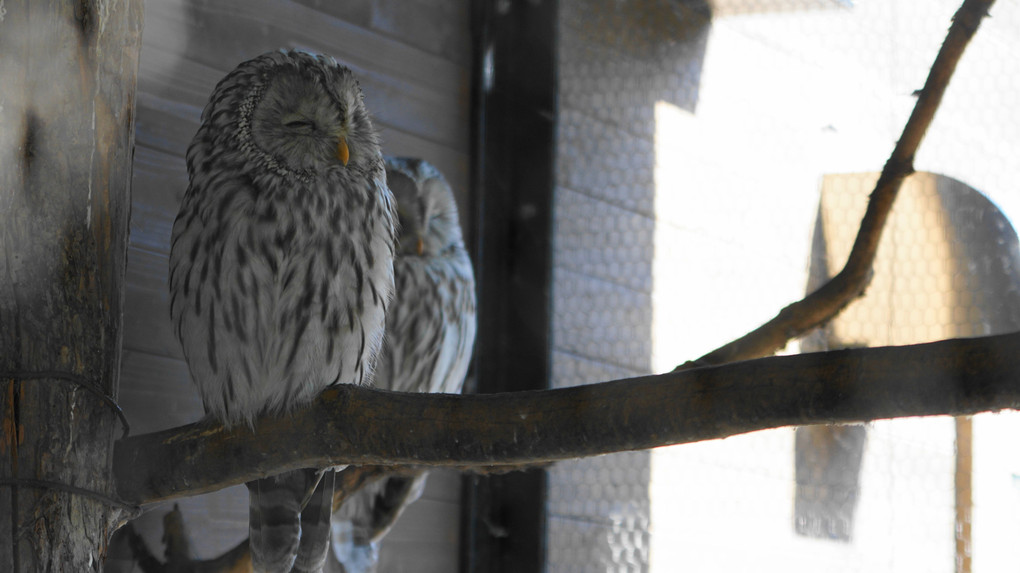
x: 430, y: 333
x: 281, y: 261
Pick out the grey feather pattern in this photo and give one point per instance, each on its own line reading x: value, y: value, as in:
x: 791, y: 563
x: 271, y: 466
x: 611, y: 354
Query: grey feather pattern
x: 430, y: 333
x: 281, y: 254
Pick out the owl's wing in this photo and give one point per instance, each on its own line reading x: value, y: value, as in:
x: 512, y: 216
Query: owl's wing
x: 414, y: 335
x: 430, y: 331
x: 458, y: 340
x: 288, y: 520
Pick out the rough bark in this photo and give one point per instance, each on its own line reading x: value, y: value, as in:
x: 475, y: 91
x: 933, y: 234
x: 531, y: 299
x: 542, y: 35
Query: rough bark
x: 67, y: 84
x: 358, y: 425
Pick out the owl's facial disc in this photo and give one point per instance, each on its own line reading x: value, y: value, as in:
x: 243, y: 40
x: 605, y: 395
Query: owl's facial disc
x: 299, y: 124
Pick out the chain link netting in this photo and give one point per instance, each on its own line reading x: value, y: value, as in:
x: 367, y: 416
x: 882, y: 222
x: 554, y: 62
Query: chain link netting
x: 713, y: 164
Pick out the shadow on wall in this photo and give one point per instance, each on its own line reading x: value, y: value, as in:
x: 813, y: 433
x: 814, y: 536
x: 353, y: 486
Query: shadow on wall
x: 948, y: 266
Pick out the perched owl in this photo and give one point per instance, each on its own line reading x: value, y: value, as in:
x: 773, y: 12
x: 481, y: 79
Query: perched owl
x: 281, y: 267
x: 430, y: 332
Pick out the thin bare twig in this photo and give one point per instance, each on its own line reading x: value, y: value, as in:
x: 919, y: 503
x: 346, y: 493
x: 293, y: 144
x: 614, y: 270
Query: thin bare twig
x: 825, y: 303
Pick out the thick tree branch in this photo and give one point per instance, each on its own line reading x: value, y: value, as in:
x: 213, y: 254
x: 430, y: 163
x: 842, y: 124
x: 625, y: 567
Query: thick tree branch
x: 356, y: 425
x: 825, y: 303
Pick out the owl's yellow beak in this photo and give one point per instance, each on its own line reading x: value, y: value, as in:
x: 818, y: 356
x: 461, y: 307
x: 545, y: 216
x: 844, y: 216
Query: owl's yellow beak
x: 420, y: 247
x: 343, y: 153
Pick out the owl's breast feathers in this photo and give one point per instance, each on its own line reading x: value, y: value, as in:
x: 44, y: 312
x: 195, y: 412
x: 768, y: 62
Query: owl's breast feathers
x: 283, y: 286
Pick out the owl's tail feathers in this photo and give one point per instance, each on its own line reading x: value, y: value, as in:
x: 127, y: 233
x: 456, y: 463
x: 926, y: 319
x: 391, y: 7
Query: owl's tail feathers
x: 315, y: 518
x: 274, y: 518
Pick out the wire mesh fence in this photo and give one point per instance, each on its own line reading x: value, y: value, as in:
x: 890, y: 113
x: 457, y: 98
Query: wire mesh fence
x: 713, y: 164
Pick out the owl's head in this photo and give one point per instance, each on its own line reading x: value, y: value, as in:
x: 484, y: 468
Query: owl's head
x: 426, y: 208
x: 296, y: 113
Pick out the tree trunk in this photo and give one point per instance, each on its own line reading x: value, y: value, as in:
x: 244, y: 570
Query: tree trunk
x: 67, y: 84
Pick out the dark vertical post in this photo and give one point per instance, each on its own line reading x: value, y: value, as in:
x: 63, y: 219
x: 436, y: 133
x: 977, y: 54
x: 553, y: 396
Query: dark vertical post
x: 514, y: 122
x: 67, y: 87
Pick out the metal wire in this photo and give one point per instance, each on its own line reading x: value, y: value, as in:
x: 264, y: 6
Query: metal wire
x: 80, y: 381
x: 133, y: 510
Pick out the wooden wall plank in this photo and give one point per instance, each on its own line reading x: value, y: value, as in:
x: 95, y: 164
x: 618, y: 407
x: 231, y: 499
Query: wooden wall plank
x: 436, y: 26
x: 159, y: 180
x: 166, y: 125
x: 147, y: 311
x: 171, y: 76
x: 427, y: 532
x: 427, y: 113
x: 357, y: 12
x: 222, y: 35
x: 168, y: 389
